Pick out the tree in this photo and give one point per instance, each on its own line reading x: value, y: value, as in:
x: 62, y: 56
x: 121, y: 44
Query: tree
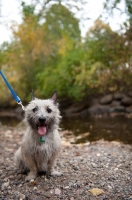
x: 36, y: 50
x: 111, y: 5
x: 126, y: 29
x: 44, y: 5
x: 63, y: 30
x: 59, y: 21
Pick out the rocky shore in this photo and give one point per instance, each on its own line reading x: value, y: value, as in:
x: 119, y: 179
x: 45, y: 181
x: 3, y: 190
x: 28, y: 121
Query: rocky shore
x: 99, y: 170
x: 110, y: 104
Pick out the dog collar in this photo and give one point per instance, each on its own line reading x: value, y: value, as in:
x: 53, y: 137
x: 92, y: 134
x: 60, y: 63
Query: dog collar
x: 42, y: 138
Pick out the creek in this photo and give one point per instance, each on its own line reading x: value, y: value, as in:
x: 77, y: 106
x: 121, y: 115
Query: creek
x: 118, y: 128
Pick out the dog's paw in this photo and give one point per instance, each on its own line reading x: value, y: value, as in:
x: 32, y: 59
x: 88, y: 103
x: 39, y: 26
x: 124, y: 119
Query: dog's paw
x: 30, y: 177
x: 56, y: 173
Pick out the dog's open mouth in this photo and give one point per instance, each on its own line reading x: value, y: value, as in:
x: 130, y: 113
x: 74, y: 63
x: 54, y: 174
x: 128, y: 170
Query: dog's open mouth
x: 42, y: 129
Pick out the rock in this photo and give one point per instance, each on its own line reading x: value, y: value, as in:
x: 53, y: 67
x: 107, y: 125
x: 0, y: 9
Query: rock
x: 57, y: 191
x: 118, y: 96
x: 94, y: 165
x: 66, y: 187
x: 4, y: 185
x: 47, y: 194
x: 73, y: 110
x: 102, y: 183
x: 106, y: 99
x: 129, y: 109
x: 99, y: 109
x: 84, y: 168
x: 84, y: 113
x: 126, y: 101
x: 130, y: 94
x: 94, y: 102
x: 115, y: 103
x: 65, y: 143
x: 83, y: 135
x: 72, y: 140
x: 117, y: 109
x: 19, y: 195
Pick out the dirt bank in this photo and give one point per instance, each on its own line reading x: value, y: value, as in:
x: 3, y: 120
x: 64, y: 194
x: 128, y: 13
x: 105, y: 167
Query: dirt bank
x: 103, y: 165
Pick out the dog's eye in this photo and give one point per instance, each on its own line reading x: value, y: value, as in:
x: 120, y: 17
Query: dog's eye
x: 35, y: 109
x: 49, y: 110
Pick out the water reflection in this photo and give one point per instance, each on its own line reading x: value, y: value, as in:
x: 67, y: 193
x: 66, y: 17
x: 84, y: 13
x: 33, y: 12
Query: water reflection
x: 9, y: 121
x: 118, y: 128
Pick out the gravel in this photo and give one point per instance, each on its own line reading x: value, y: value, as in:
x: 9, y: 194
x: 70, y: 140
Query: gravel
x: 103, y: 165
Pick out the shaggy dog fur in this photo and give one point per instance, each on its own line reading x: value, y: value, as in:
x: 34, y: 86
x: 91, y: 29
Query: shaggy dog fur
x: 42, y: 117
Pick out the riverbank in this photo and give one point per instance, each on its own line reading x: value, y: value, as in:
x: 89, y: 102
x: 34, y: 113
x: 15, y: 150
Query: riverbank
x: 103, y: 105
x: 112, y: 104
x: 103, y: 165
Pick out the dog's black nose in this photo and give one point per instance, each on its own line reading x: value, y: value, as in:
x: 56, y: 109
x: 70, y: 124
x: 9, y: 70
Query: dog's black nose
x: 42, y: 119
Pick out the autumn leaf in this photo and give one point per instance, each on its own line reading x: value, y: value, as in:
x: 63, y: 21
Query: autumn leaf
x: 96, y: 191
x: 33, y: 182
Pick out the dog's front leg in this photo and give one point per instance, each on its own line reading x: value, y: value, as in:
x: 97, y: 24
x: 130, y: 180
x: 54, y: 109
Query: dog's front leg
x: 31, y: 164
x: 51, y: 164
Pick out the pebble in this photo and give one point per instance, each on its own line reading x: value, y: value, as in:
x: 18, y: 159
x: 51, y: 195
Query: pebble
x: 4, y: 185
x: 102, y: 183
x: 83, y: 166
x: 116, y: 169
x: 57, y: 191
x: 51, y: 191
x: 94, y: 165
x: 66, y: 187
x: 47, y: 194
x: 19, y: 195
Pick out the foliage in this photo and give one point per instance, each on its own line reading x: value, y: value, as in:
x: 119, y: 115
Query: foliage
x: 114, y: 4
x: 60, y: 22
x: 50, y: 54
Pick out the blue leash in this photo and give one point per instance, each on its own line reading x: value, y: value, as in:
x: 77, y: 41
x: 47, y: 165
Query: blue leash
x: 17, y: 99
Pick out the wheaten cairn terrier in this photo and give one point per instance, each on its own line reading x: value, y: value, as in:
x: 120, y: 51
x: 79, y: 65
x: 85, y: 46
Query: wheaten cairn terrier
x: 41, y: 142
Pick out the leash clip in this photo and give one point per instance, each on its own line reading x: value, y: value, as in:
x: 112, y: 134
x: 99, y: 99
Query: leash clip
x: 20, y: 103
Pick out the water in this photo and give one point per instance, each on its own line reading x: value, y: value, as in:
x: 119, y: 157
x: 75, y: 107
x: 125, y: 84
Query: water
x: 9, y: 121
x: 118, y: 128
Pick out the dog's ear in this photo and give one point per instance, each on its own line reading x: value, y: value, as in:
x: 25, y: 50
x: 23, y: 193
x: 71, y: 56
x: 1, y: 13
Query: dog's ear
x: 54, y: 97
x: 32, y: 95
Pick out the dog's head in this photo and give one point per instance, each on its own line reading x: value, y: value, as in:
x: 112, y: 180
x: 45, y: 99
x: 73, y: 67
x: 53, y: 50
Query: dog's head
x: 42, y: 115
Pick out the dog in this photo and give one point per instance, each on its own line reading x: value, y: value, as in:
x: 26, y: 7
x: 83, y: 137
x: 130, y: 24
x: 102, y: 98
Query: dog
x: 41, y: 143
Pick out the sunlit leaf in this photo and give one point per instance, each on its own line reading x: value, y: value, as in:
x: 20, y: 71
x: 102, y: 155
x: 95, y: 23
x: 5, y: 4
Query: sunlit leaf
x: 96, y: 191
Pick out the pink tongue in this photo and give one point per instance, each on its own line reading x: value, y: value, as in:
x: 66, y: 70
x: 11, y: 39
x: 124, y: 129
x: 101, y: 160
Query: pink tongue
x: 42, y: 130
